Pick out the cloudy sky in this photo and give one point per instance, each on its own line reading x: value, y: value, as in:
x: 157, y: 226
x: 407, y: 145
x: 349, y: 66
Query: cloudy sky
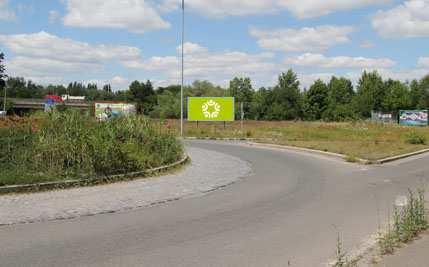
x: 117, y: 41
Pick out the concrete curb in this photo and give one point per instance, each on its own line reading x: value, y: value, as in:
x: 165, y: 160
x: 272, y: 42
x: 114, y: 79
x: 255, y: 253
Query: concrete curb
x: 341, y: 156
x: 17, y: 189
x: 403, y: 156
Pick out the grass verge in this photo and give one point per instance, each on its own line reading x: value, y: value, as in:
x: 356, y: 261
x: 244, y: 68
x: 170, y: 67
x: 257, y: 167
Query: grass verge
x: 364, y: 140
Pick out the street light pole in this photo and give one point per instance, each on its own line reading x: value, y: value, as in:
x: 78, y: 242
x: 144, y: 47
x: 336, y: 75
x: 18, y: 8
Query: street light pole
x: 183, y: 67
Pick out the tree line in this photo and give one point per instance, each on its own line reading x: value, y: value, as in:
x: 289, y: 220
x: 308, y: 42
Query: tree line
x: 336, y: 100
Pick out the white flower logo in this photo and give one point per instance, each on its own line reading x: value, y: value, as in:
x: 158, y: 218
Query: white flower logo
x: 211, y: 109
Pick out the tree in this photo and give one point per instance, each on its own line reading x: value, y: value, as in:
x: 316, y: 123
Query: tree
x: 397, y: 96
x: 107, y: 88
x: 3, y: 104
x: 144, y: 95
x: 424, y: 91
x: 3, y: 75
x: 416, y: 94
x: 204, y: 88
x: 260, y: 104
x: 340, y: 97
x: 168, y: 106
x: 287, y: 98
x: 241, y: 89
x: 316, y: 100
x: 370, y: 93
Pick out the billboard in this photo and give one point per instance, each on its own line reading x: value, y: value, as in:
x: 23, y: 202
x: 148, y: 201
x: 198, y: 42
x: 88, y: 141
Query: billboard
x: 110, y: 110
x: 413, y: 117
x: 382, y: 117
x: 211, y: 109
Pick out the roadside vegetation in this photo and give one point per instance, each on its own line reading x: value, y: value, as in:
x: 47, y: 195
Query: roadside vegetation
x: 408, y: 222
x: 71, y: 145
x: 405, y: 225
x: 357, y: 139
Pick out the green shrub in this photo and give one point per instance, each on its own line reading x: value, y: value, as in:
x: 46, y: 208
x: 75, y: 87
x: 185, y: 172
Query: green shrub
x: 70, y: 145
x: 416, y: 139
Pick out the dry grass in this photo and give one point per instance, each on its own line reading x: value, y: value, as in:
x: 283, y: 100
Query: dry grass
x: 355, y: 139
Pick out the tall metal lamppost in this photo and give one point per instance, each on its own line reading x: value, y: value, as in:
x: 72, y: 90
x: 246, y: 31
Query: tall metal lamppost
x: 183, y: 67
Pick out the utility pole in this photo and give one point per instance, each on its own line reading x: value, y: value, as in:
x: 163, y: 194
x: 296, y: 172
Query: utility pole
x: 183, y: 67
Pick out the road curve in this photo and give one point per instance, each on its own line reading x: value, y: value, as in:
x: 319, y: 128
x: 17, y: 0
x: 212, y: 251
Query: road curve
x: 287, y: 212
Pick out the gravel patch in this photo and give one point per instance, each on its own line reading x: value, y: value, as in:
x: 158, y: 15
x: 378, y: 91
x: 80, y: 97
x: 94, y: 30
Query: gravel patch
x: 208, y: 171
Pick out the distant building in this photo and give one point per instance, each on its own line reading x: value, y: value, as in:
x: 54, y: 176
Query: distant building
x: 72, y: 98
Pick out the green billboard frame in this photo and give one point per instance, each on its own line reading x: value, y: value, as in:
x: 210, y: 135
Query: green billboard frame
x: 223, y: 109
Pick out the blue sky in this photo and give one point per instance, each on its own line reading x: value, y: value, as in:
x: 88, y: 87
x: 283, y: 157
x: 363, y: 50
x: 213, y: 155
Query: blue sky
x: 112, y: 41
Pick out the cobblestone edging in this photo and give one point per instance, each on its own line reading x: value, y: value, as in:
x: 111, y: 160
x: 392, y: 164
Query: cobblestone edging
x: 208, y: 171
x: 39, y: 187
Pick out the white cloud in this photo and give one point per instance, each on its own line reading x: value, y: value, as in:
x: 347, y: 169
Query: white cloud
x: 45, y: 55
x: 302, y: 40
x: 117, y: 82
x: 200, y: 63
x: 423, y: 62
x: 367, y: 44
x: 53, y: 16
x: 5, y: 12
x: 299, y: 8
x: 315, y: 8
x: 410, y: 19
x: 136, y: 16
x: 321, y: 61
x: 306, y: 80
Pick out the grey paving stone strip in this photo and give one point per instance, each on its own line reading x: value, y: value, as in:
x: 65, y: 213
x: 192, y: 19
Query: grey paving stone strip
x: 208, y: 170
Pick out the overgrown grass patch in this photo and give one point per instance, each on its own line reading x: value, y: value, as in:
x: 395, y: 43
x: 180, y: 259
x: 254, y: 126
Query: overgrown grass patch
x: 364, y: 140
x: 70, y: 145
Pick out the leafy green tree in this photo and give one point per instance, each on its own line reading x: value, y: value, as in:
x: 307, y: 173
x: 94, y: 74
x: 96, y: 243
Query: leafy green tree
x: 168, y: 106
x: 260, y: 104
x: 397, y: 96
x: 416, y: 95
x: 370, y: 94
x: 424, y: 89
x: 15, y: 87
x: 3, y: 75
x: 204, y: 88
x: 340, y: 97
x: 2, y: 80
x: 144, y: 95
x: 316, y: 100
x: 287, y: 97
x: 107, y: 88
x: 241, y: 89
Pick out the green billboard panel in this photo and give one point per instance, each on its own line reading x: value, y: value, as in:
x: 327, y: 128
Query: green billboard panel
x: 211, y: 109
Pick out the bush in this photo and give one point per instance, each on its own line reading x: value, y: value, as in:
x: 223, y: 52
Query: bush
x: 70, y: 145
x: 416, y: 139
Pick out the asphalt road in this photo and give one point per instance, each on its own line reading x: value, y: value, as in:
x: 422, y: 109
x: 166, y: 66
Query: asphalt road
x: 288, y: 212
